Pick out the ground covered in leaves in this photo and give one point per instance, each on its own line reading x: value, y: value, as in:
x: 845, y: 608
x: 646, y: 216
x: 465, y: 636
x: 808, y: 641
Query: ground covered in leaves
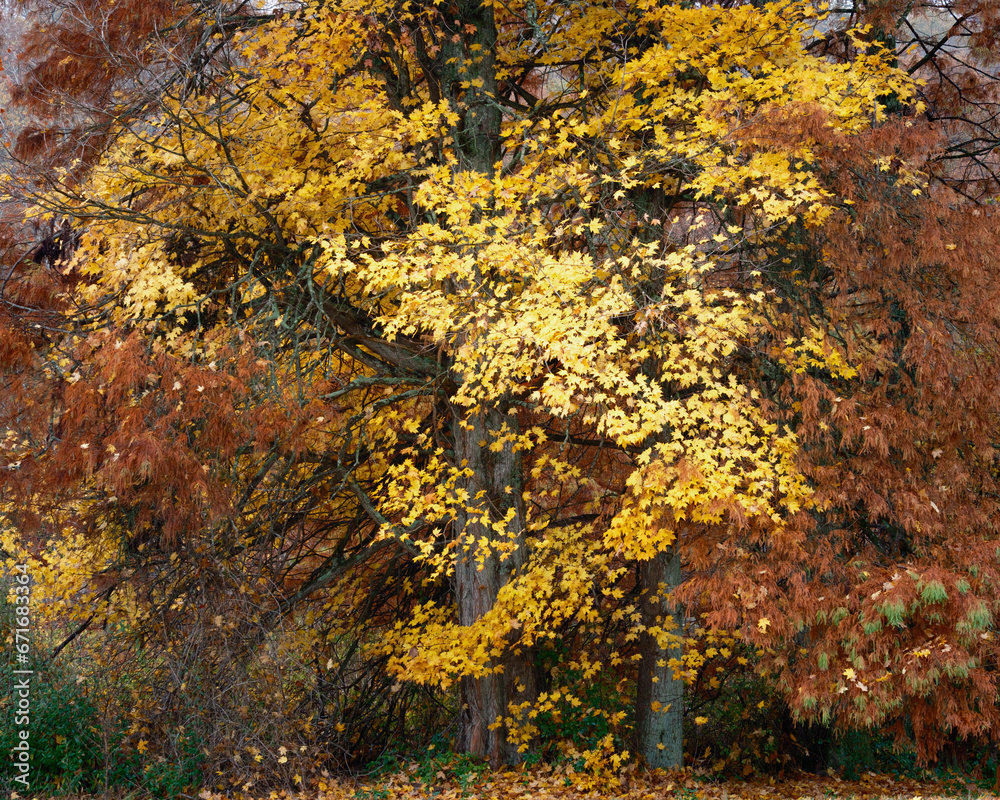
x: 563, y: 783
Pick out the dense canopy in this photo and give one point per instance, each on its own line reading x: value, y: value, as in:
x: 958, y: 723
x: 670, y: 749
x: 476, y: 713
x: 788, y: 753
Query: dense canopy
x: 472, y: 366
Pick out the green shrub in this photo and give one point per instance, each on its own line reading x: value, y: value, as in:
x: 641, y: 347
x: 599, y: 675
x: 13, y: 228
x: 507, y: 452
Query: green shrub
x: 66, y: 755
x: 585, y: 720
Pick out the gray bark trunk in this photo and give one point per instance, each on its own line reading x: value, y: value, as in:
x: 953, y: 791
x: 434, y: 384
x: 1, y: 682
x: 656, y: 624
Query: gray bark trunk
x: 660, y: 733
x: 496, y: 480
x: 495, y: 483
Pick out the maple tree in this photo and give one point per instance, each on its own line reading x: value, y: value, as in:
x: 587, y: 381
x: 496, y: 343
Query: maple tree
x: 461, y: 330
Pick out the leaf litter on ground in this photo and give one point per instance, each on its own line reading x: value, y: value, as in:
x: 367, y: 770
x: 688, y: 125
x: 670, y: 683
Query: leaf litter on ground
x: 562, y: 783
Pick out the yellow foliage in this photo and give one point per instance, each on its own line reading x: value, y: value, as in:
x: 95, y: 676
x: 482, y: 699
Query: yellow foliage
x: 526, y: 285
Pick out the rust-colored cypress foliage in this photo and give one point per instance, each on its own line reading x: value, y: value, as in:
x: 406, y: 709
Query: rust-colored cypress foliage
x: 953, y: 48
x: 885, y: 592
x: 78, y: 68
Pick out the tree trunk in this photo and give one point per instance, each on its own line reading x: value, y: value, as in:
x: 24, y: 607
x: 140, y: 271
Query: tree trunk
x: 494, y: 485
x: 659, y: 712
